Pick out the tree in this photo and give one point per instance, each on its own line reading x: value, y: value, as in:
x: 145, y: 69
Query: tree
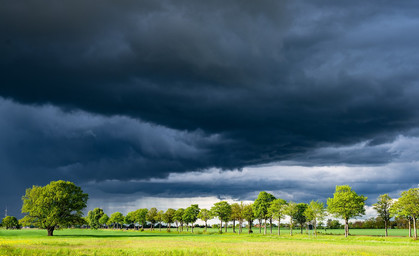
x: 314, y: 212
x: 130, y: 218
x: 93, y: 218
x: 151, y: 217
x: 168, y: 217
x: 141, y: 217
x: 299, y: 217
x: 205, y: 215
x: 179, y: 218
x: 248, y: 215
x: 104, y: 219
x: 117, y: 219
x: 291, y: 210
x: 191, y: 215
x: 382, y: 207
x: 277, y: 211
x: 408, y: 206
x: 346, y: 204
x: 222, y: 210
x: 59, y: 203
x: 10, y: 222
x: 159, y: 218
x: 235, y: 214
x: 261, y: 206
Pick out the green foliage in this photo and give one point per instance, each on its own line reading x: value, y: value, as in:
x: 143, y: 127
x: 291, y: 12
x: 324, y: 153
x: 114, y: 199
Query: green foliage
x: 300, y: 217
x: 179, y: 216
x: 10, y: 222
x: 408, y: 206
x: 117, y: 219
x: 59, y: 203
x: 151, y: 216
x: 104, y: 219
x: 140, y: 216
x: 204, y: 215
x: 130, y: 218
x: 262, y: 204
x: 382, y: 207
x: 346, y: 203
x: 277, y: 209
x: 248, y: 214
x: 191, y: 214
x: 315, y: 212
x: 291, y: 210
x: 222, y: 210
x: 93, y: 218
x: 169, y: 215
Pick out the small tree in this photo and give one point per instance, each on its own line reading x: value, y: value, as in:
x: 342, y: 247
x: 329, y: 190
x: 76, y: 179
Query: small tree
x: 151, y: 217
x: 222, y: 210
x: 159, y: 218
x: 382, y: 207
x: 277, y: 211
x: 10, y: 222
x: 314, y: 212
x: 205, y: 215
x: 299, y: 217
x: 179, y: 218
x: 130, y: 218
x: 93, y: 218
x: 261, y: 206
x: 59, y: 203
x: 191, y: 214
x: 291, y: 210
x: 104, y: 219
x: 248, y: 215
x: 117, y: 219
x: 168, y: 217
x: 141, y: 217
x: 346, y: 204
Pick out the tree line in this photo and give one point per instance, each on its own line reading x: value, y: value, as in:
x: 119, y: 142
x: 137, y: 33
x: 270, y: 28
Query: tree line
x: 60, y: 204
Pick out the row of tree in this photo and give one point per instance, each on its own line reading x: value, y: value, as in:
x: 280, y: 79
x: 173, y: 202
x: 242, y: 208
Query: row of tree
x: 60, y: 204
x: 344, y: 204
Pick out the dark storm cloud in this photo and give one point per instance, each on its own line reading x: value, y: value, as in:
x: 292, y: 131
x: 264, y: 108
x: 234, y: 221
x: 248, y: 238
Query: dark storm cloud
x: 150, y: 88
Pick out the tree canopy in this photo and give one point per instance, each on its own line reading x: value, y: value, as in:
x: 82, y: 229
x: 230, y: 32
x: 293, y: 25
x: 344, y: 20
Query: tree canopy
x: 261, y: 206
x: 93, y: 218
x: 59, y: 203
x: 222, y: 210
x: 10, y: 222
x: 382, y: 207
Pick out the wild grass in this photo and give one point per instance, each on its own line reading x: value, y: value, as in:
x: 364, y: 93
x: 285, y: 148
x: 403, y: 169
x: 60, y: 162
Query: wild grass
x: 122, y: 242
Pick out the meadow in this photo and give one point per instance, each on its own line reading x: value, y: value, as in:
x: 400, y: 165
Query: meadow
x: 128, y: 242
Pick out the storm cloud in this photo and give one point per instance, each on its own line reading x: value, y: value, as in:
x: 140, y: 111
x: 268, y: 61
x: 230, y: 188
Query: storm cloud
x: 130, y: 91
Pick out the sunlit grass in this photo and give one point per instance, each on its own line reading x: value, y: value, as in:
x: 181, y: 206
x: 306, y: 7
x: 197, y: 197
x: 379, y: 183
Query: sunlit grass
x: 122, y: 242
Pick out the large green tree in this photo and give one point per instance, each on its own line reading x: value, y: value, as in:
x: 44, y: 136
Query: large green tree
x: 382, y: 207
x: 315, y: 212
x: 151, y: 217
x: 168, y: 217
x: 59, y: 203
x: 261, y: 206
x: 222, y: 210
x: 249, y: 216
x: 159, y: 218
x: 346, y: 204
x: 277, y: 211
x: 191, y: 215
x: 104, y: 219
x: 205, y: 215
x: 10, y: 222
x: 141, y: 217
x: 93, y: 217
x: 130, y: 218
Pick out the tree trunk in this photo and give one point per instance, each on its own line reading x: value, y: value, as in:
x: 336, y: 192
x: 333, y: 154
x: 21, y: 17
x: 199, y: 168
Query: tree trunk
x: 187, y: 227
x: 346, y: 228
x: 315, y: 228
x: 50, y: 231
x: 234, y: 226
x: 250, y: 227
x: 410, y: 229
x: 240, y: 226
x: 291, y: 228
x: 385, y: 226
x: 205, y: 226
x: 279, y: 227
x: 414, y: 228
x: 192, y: 228
x: 270, y: 222
x: 221, y: 226
x: 264, y: 228
x: 260, y: 226
x: 301, y: 228
x: 226, y: 224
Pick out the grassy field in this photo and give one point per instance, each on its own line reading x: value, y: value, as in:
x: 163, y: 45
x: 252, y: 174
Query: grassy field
x: 116, y: 242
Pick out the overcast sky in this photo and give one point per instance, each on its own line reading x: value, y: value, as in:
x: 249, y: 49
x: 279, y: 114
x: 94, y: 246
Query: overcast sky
x: 168, y: 103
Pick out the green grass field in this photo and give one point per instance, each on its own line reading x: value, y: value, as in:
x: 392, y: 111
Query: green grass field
x: 118, y: 242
